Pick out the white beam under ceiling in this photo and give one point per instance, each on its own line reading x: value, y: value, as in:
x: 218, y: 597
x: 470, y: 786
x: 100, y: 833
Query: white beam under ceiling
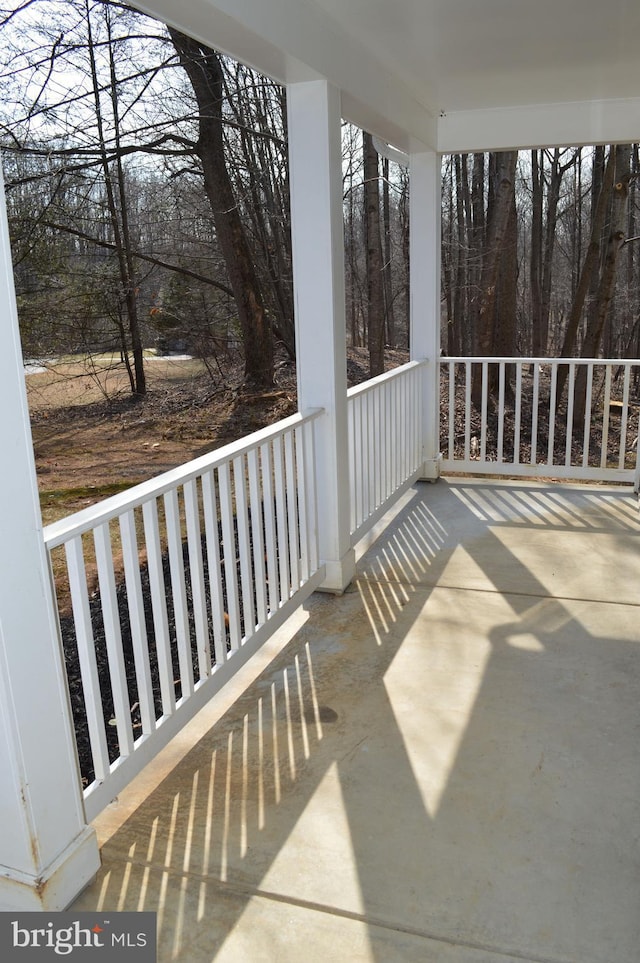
x: 595, y: 122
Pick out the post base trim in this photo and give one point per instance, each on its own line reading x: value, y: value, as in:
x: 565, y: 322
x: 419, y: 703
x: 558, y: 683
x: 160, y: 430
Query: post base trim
x: 60, y: 883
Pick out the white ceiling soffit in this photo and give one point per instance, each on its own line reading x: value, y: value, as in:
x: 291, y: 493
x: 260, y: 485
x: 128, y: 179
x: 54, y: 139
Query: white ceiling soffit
x: 295, y: 41
x: 448, y: 74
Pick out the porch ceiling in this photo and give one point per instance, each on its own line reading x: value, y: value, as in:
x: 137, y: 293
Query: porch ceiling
x: 447, y: 74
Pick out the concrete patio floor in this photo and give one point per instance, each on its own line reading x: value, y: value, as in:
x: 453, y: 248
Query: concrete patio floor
x: 440, y: 765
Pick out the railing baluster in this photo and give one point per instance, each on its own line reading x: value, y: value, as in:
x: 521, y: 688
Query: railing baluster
x: 552, y: 414
x: 624, y: 416
x: 452, y: 409
x: 396, y: 437
x: 606, y: 409
x: 517, y: 416
x: 281, y: 520
x: 402, y: 384
x: 371, y: 470
x: 87, y: 656
x: 375, y: 451
x: 483, y: 409
x: 270, y: 539
x: 257, y: 535
x: 212, y: 536
x: 586, y: 438
x: 159, y: 605
x: 571, y: 388
x: 467, y: 411
x: 501, y: 378
x: 389, y: 439
x: 398, y: 402
x: 196, y: 573
x: 113, y: 638
x: 364, y: 456
x: 310, y: 499
x: 534, y: 414
x: 414, y: 408
x: 137, y: 621
x: 353, y: 466
x: 382, y: 444
x: 390, y: 485
x: 400, y: 467
x: 178, y: 591
x: 244, y: 546
x: 384, y: 488
x: 292, y: 510
x: 229, y: 555
x: 359, y: 457
x: 420, y: 379
x: 303, y: 506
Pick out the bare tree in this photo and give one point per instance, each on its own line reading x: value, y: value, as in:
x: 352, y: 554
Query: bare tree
x: 389, y: 310
x: 375, y: 280
x: 620, y: 158
x: 116, y: 195
x: 205, y: 73
x: 499, y: 211
x: 588, y: 268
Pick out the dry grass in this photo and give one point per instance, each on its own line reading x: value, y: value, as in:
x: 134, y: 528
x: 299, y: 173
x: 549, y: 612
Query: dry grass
x: 73, y: 382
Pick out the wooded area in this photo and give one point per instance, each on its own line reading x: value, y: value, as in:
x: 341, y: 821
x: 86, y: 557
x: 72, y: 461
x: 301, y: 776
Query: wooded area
x: 147, y: 189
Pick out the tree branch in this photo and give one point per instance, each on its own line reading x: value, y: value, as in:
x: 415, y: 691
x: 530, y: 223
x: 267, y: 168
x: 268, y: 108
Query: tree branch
x: 149, y: 258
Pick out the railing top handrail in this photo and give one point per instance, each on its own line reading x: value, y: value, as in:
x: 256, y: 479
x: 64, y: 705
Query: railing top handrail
x: 387, y: 376
x: 57, y: 533
x: 445, y: 359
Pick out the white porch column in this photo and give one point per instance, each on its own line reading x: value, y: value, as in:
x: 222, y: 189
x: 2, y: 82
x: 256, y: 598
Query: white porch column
x: 315, y: 158
x: 47, y: 852
x: 424, y: 255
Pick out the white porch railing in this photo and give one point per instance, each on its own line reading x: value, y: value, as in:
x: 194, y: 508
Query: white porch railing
x: 171, y: 586
x: 529, y: 430
x: 385, y: 441
x: 214, y: 556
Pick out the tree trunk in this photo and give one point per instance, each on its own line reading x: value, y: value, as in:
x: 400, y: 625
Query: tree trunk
x: 553, y: 199
x: 268, y: 211
x: 405, y: 228
x: 606, y: 283
x: 375, y: 287
x: 204, y: 70
x: 387, y: 272
x: 535, y: 258
x: 588, y: 269
x: 504, y: 344
x: 118, y: 213
x: 470, y: 336
x: 497, y: 221
x: 460, y: 283
x: 447, y: 247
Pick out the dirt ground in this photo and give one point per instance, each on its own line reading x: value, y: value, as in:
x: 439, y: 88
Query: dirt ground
x: 92, y: 438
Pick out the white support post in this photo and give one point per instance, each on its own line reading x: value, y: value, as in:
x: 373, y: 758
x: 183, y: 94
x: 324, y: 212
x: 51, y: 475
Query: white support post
x: 47, y: 852
x: 315, y: 158
x: 424, y: 254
